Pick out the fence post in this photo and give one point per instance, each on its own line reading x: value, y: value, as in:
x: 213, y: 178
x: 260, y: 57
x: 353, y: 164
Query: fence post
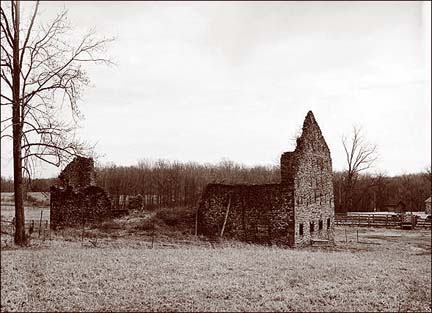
x: 346, y: 238
x: 31, y: 228
x: 153, y: 234
x: 196, y: 222
x: 40, y: 223
x: 357, y: 235
x: 386, y: 221
x: 82, y: 235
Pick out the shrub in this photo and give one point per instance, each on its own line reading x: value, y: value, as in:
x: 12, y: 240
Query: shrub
x: 136, y: 203
x: 109, y: 227
x: 33, y: 201
x: 147, y: 225
x: 176, y: 216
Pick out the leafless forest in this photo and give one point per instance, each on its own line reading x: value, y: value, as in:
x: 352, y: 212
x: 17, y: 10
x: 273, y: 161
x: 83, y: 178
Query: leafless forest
x: 171, y: 183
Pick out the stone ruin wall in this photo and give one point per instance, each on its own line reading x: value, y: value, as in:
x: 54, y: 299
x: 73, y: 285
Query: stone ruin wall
x: 273, y: 213
x: 77, y: 200
x: 255, y: 213
x: 79, y: 173
x: 309, y: 169
x: 71, y: 207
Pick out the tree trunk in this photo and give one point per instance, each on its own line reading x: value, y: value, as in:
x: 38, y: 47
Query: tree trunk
x: 349, y: 192
x: 17, y: 134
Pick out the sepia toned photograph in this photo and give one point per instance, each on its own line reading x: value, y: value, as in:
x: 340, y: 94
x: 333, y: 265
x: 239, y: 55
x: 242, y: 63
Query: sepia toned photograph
x: 215, y: 156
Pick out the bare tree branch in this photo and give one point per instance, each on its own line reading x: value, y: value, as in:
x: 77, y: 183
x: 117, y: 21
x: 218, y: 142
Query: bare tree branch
x: 360, y: 156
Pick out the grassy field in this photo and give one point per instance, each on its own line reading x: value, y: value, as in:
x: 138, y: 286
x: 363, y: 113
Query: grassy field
x: 387, y: 270
x: 33, y: 198
x: 33, y: 205
x: 31, y: 213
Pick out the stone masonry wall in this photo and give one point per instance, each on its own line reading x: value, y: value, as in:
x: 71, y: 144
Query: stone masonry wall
x: 79, y: 173
x: 255, y: 213
x: 294, y: 212
x: 78, y: 200
x: 71, y: 207
x: 309, y: 167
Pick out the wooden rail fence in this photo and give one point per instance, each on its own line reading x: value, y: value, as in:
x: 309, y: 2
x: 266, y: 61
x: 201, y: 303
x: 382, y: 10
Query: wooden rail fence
x: 382, y: 220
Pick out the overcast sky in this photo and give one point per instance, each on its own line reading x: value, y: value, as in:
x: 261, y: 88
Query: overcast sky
x: 203, y: 81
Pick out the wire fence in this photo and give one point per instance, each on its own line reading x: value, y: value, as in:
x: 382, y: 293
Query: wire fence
x: 34, y: 229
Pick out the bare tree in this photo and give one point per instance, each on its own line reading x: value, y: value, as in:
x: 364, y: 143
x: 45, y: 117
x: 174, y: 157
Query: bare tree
x: 428, y: 173
x: 42, y: 79
x: 360, y: 156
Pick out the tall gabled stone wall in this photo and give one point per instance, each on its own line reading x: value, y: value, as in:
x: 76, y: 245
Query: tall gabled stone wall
x: 278, y: 213
x: 309, y: 168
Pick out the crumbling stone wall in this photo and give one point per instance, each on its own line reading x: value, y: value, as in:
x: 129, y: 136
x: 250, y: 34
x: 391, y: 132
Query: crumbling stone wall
x: 253, y: 213
x: 70, y: 206
x: 79, y: 173
x: 278, y: 213
x: 428, y: 206
x: 309, y: 170
x: 77, y: 199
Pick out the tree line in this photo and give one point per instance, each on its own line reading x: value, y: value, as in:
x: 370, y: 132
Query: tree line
x: 36, y: 184
x: 378, y: 191
x: 164, y: 183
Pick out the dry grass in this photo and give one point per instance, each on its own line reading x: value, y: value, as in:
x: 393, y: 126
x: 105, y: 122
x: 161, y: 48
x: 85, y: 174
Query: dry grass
x: 33, y: 198
x: 30, y: 213
x: 388, y: 270
x: 33, y: 205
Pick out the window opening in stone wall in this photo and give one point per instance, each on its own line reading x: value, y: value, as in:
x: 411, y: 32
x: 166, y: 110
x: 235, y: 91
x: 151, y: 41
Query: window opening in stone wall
x: 312, y: 227
x: 320, y: 225
x: 301, y: 229
x: 328, y: 223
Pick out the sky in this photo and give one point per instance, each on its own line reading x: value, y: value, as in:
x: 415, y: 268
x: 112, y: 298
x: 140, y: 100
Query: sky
x: 206, y: 81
